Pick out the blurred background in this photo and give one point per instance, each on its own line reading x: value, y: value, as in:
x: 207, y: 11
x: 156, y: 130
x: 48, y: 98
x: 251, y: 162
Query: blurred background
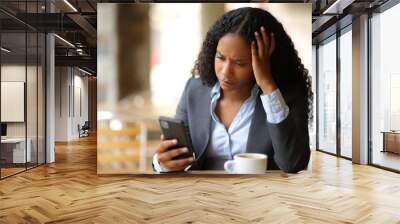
x: 145, y: 56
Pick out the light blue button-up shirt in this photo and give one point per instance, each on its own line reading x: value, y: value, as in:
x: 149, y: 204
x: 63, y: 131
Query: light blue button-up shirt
x: 226, y: 143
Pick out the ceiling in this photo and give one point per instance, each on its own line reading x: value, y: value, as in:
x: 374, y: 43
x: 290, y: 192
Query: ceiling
x: 76, y: 22
x: 329, y: 16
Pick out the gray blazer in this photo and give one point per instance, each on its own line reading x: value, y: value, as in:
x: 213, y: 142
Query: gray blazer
x: 285, y: 143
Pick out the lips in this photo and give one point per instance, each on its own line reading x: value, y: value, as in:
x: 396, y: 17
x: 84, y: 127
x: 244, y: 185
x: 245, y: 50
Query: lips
x: 227, y: 83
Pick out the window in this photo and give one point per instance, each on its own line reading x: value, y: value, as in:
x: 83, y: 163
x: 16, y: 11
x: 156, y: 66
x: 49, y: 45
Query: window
x: 22, y: 66
x: 345, y: 93
x: 313, y: 127
x: 385, y: 88
x: 327, y: 96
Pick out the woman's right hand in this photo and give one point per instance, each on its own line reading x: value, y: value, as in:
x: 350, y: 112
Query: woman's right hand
x: 165, y: 156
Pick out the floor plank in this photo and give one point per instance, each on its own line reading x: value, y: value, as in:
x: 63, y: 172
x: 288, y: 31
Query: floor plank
x: 333, y: 190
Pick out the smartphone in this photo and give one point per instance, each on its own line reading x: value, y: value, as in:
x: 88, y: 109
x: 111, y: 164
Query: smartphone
x: 175, y: 129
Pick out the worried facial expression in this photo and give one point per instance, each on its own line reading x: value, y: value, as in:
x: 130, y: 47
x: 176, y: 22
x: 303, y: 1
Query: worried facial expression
x: 233, y: 63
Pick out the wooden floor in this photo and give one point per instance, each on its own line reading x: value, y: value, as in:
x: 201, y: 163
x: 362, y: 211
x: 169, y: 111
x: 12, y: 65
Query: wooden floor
x: 386, y: 159
x: 69, y: 191
x: 5, y: 172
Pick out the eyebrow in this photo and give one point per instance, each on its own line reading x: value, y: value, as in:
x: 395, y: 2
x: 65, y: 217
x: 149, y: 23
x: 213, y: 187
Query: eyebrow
x: 237, y: 59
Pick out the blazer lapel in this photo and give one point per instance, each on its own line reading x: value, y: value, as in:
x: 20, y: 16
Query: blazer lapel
x: 258, y: 137
x: 202, y: 121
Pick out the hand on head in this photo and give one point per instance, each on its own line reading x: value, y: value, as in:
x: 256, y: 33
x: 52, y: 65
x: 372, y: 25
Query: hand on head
x: 261, y: 59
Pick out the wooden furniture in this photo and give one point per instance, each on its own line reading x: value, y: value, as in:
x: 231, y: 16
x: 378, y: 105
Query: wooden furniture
x: 391, y: 141
x: 121, y: 151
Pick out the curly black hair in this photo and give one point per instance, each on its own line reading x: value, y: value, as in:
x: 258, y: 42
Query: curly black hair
x: 288, y: 71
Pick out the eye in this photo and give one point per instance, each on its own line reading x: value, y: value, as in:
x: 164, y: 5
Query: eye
x: 240, y: 64
x: 219, y: 57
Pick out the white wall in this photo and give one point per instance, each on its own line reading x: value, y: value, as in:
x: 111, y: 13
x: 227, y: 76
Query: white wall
x: 62, y: 81
x: 80, y: 84
x: 15, y: 73
x: 33, y: 126
x: 70, y: 83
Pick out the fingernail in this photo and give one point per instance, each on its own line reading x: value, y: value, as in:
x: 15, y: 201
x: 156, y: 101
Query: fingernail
x: 255, y: 33
x: 262, y: 28
x: 185, y: 150
x: 191, y: 159
x: 175, y: 141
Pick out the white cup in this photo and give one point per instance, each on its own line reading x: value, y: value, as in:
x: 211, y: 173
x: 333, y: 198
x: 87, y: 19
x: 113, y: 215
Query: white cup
x: 247, y: 163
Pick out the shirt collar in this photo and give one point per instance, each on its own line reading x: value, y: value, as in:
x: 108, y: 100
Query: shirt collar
x: 216, y: 91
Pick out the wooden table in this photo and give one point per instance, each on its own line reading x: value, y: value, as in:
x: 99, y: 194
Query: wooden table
x: 194, y: 173
x: 391, y: 141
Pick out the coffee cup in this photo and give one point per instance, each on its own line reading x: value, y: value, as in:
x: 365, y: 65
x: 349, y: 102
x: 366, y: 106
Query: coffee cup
x: 247, y: 163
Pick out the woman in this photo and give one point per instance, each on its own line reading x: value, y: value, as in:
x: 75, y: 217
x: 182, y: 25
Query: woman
x: 249, y: 93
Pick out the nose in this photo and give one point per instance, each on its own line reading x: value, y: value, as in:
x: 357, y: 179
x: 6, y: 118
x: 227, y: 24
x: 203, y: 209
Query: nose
x: 226, y: 70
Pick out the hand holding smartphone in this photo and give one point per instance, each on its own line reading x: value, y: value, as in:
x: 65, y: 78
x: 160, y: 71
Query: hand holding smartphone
x: 175, y: 151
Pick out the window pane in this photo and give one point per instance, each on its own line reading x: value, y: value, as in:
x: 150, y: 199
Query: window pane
x: 327, y: 97
x: 313, y: 124
x: 385, y: 84
x: 15, y: 151
x: 31, y: 99
x: 345, y: 94
x: 31, y: 89
x: 41, y: 98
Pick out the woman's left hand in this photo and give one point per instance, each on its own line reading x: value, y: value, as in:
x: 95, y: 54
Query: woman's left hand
x: 261, y: 60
